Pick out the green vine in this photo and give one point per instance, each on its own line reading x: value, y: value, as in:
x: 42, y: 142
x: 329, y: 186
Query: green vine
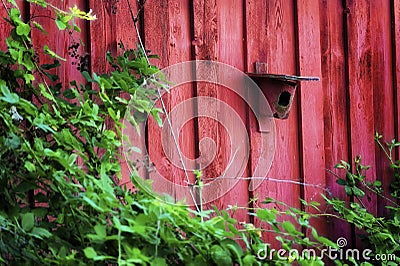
x: 60, y: 153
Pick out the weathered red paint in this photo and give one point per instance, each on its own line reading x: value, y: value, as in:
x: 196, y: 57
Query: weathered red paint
x: 382, y: 82
x: 311, y: 100
x: 353, y: 46
x: 270, y: 38
x: 336, y: 138
x: 218, y: 33
x: 396, y: 64
x: 167, y: 34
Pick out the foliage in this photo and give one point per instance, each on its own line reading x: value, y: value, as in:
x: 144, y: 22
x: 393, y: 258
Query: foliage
x: 60, y: 160
x: 60, y: 164
x: 381, y: 234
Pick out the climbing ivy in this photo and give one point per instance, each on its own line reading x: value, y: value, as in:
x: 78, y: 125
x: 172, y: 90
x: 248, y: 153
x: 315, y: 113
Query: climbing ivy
x: 60, y: 153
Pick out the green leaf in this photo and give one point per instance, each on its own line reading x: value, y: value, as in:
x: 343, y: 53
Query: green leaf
x: 39, y: 27
x: 87, y: 76
x: 12, y: 141
x: 327, y: 242
x: 348, y: 190
x: 40, y: 233
x: 8, y: 96
x: 51, y: 66
x: 220, y: 256
x: 358, y: 192
x: 62, y: 21
x: 27, y: 61
x: 100, y: 231
x: 28, y: 221
x: 92, y: 203
x: 60, y: 24
x: 76, y: 28
x: 30, y: 166
x: 155, y: 112
x: 377, y: 183
x: 268, y: 200
x: 290, y: 228
x: 23, y: 29
x: 341, y: 181
x: 249, y: 260
x: 48, y: 51
x: 233, y: 247
x: 90, y: 253
x: 266, y: 215
x: 315, y: 203
x: 314, y: 233
x: 159, y: 262
x: 29, y: 78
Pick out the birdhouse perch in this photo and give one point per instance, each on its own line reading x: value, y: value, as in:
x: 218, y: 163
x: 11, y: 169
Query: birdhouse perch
x: 279, y: 89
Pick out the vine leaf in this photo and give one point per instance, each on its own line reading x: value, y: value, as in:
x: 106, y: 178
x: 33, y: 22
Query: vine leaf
x: 48, y: 51
x: 8, y: 96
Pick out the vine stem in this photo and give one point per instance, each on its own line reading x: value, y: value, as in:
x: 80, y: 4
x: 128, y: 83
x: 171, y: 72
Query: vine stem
x: 367, y: 187
x: 119, y: 248
x: 384, y: 150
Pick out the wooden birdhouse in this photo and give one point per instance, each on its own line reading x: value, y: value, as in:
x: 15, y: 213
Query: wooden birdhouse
x: 279, y: 89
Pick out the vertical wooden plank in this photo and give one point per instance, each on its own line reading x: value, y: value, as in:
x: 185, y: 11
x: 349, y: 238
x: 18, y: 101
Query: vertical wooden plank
x: 125, y: 27
x: 167, y: 34
x: 311, y: 100
x: 361, y: 91
x: 218, y: 36
x: 335, y: 101
x: 382, y: 82
x: 102, y: 34
x: 206, y: 43
x: 270, y: 38
x: 126, y: 33
x: 4, y: 27
x: 396, y: 63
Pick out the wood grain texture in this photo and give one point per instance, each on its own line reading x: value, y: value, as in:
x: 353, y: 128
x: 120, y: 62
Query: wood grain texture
x: 167, y: 34
x: 218, y: 36
x: 336, y: 139
x: 5, y: 28
x: 353, y: 46
x: 311, y: 108
x: 396, y: 64
x: 361, y: 91
x: 102, y: 34
x: 382, y: 82
x: 270, y: 38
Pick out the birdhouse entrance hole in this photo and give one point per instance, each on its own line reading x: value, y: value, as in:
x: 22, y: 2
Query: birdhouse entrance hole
x: 284, y: 99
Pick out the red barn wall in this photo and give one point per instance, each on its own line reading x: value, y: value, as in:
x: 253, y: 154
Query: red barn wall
x: 353, y: 46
